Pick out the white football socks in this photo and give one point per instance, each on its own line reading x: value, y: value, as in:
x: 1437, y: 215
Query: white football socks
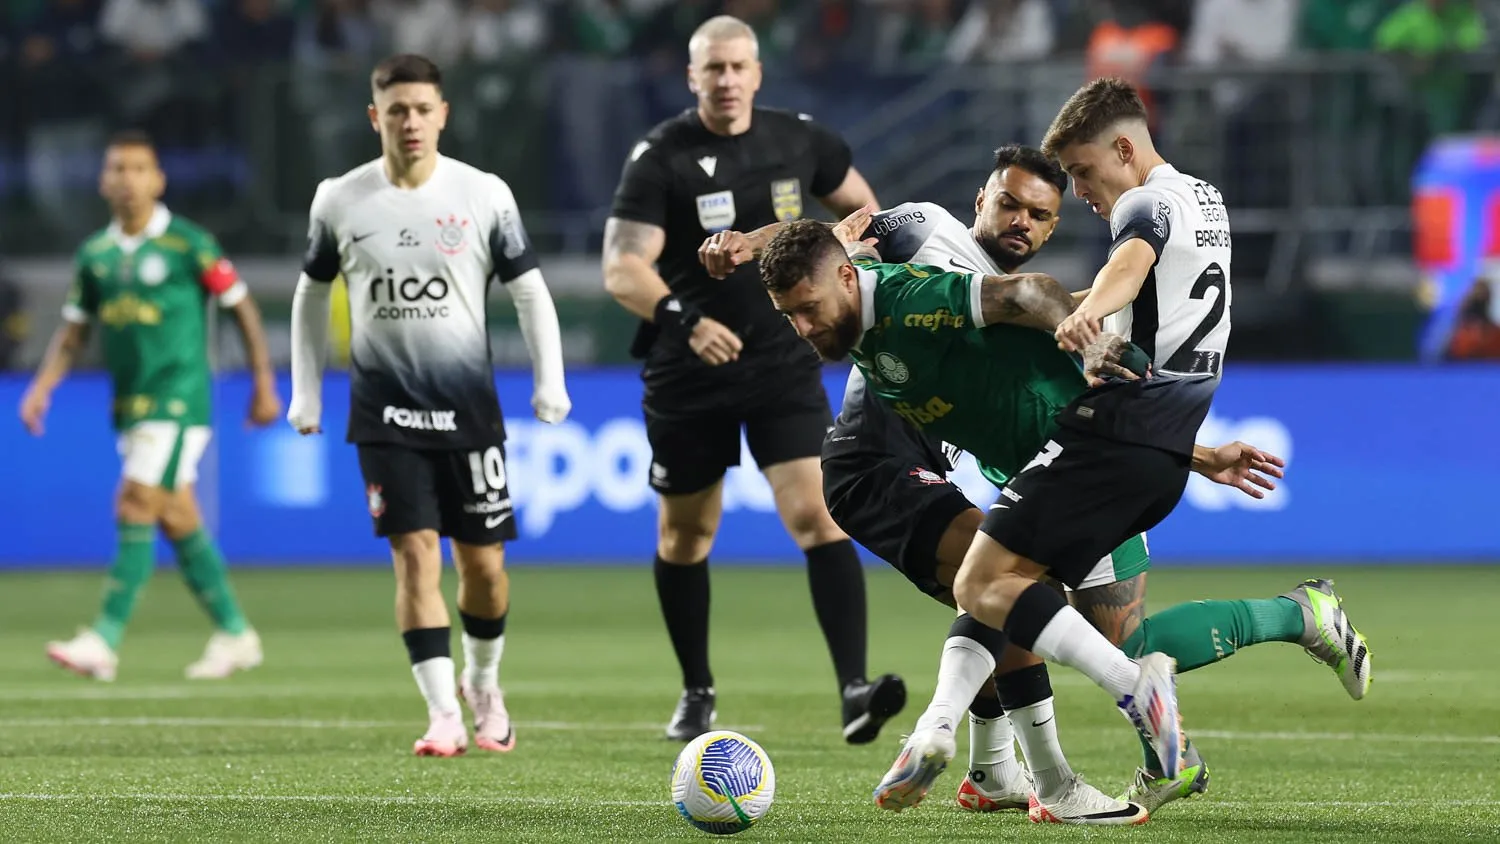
x: 482, y: 661
x: 1036, y: 727
x: 440, y: 688
x: 992, y: 751
x: 965, y: 667
x: 1069, y: 639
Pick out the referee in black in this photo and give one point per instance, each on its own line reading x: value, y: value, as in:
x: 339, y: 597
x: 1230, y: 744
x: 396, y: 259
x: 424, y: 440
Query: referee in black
x: 720, y: 358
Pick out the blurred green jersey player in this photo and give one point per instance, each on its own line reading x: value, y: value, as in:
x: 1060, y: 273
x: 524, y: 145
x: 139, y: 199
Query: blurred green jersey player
x: 147, y: 280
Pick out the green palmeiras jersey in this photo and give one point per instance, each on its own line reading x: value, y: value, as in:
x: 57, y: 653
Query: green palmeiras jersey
x: 994, y: 391
x: 149, y: 295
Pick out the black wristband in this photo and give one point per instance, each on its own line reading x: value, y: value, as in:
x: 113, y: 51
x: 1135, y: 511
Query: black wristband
x: 675, y: 317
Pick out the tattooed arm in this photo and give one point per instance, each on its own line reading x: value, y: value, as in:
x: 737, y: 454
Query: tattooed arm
x: 1033, y: 300
x: 630, y: 250
x: 1116, y: 610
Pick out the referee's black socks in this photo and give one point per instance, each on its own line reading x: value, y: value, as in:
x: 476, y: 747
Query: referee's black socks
x: 838, y: 594
x: 683, y: 592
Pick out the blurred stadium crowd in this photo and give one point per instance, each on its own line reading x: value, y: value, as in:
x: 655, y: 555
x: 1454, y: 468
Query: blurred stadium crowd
x: 1310, y: 114
x: 203, y: 75
x: 814, y: 33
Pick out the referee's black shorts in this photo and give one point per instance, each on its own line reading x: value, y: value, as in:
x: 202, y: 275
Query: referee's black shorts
x: 691, y: 450
x: 898, y: 508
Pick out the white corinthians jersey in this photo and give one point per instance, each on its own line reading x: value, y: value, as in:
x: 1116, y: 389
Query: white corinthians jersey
x: 923, y: 233
x: 418, y: 264
x: 1180, y: 318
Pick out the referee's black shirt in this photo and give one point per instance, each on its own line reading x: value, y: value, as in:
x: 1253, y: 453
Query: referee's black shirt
x: 692, y: 183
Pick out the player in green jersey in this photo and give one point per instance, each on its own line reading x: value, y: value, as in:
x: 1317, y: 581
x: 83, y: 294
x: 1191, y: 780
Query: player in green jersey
x: 912, y: 331
x: 147, y: 281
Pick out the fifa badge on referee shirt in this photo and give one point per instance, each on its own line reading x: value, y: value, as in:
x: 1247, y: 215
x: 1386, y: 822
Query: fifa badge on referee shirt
x: 786, y: 199
x: 716, y: 210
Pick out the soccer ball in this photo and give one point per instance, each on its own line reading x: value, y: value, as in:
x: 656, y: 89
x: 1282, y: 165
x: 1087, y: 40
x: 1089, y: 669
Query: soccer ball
x: 723, y: 782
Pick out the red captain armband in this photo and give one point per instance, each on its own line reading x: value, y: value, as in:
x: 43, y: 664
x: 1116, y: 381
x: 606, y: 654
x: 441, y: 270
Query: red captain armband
x: 219, y: 276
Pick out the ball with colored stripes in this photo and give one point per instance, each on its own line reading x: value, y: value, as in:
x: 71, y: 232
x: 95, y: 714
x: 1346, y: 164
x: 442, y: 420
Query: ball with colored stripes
x: 723, y: 782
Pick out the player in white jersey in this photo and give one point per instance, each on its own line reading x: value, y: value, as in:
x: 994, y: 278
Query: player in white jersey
x: 418, y: 238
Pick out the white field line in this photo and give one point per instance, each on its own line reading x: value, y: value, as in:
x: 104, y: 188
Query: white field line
x: 1401, y: 738
x: 314, y: 724
x: 375, y: 799
x: 575, y: 726
x: 416, y: 800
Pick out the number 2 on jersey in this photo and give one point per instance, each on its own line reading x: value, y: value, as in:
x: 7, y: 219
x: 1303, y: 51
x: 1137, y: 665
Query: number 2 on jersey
x: 487, y: 469
x: 1188, y: 357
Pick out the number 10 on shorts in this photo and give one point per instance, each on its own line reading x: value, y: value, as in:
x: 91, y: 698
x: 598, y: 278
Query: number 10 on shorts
x: 487, y: 468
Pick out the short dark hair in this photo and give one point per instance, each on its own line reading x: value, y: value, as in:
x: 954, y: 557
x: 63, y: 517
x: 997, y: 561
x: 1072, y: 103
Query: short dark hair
x: 1032, y: 161
x: 1092, y: 109
x: 405, y: 68
x: 131, y: 138
x: 796, y: 252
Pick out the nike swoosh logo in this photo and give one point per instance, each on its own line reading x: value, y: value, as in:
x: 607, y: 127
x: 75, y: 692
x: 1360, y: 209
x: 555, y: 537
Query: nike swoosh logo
x: 494, y: 521
x: 1039, y: 723
x: 357, y: 238
x: 961, y: 265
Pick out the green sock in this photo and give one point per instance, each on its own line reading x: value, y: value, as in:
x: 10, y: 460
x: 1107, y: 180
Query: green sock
x: 204, y: 570
x: 1203, y: 632
x: 1153, y: 764
x: 135, y: 556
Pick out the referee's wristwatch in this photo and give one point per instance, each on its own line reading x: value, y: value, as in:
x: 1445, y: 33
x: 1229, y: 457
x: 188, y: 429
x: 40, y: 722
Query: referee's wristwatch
x: 676, y: 318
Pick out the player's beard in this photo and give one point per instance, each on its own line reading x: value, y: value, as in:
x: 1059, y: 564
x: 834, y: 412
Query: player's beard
x: 834, y: 344
x: 1006, y: 257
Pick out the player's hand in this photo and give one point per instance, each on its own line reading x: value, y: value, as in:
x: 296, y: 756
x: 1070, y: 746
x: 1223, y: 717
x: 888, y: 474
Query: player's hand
x: 34, y: 406
x: 1078, y: 331
x: 550, y: 403
x: 851, y: 227
x: 1241, y: 466
x: 1101, y: 359
x: 305, y: 414
x: 714, y: 342
x: 265, y: 406
x: 721, y: 253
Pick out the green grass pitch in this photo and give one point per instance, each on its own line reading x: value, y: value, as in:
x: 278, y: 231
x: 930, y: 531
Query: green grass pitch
x: 316, y: 744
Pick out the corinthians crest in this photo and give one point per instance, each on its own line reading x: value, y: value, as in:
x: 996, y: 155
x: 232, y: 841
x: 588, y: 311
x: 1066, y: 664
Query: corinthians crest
x: 452, y: 234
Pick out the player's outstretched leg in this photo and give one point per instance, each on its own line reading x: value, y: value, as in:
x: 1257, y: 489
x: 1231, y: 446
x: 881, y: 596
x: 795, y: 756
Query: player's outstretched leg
x: 483, y: 601
x: 968, y: 662
x: 92, y: 652
x: 1200, y: 633
x: 422, y: 617
x: 234, y: 646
